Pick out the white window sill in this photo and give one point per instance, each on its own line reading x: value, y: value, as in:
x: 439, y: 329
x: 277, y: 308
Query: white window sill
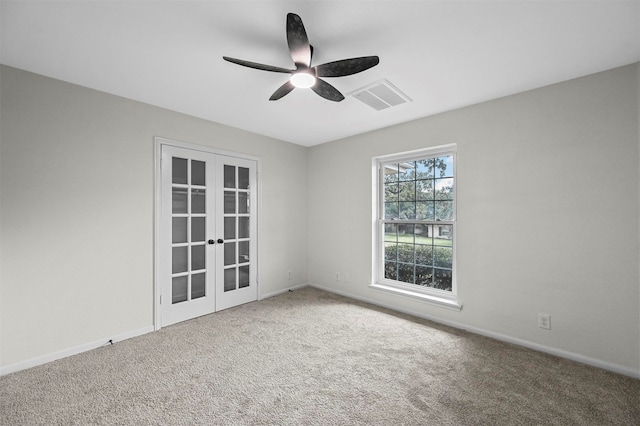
x: 429, y: 298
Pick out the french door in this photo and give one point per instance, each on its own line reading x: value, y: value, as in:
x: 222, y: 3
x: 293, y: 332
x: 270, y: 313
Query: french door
x: 208, y: 253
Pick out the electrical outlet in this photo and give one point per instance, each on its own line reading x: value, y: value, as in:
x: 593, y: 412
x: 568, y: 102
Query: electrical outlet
x: 337, y: 276
x: 544, y: 321
x: 289, y: 275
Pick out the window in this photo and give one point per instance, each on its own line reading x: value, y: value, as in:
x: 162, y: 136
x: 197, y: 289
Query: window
x: 415, y: 225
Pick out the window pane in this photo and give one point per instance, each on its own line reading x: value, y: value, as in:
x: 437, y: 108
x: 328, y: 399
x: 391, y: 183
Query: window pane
x: 407, y: 170
x: 424, y: 255
x: 444, y: 166
x: 229, y: 279
x: 197, y: 172
x: 197, y: 258
x: 423, y: 233
x: 229, y: 176
x: 390, y: 173
x: 424, y: 189
x: 405, y: 232
x: 391, y: 251
x: 407, y: 191
x: 405, y: 253
x: 444, y: 189
x: 243, y: 202
x: 198, y: 285
x: 390, y: 232
x: 424, y: 168
x: 198, y: 201
x: 198, y: 230
x: 230, y: 228
x: 179, y: 289
x: 243, y: 178
x: 229, y: 202
x: 405, y: 273
x: 442, y: 279
x: 425, y: 210
x: 444, y: 210
x: 179, y: 259
x: 243, y: 251
x: 407, y: 210
x: 443, y: 235
x: 391, y: 270
x: 391, y: 211
x: 179, y: 170
x: 243, y: 276
x: 179, y: 230
x: 443, y: 257
x: 391, y: 192
x: 179, y: 200
x: 229, y: 254
x: 243, y: 227
x: 424, y: 276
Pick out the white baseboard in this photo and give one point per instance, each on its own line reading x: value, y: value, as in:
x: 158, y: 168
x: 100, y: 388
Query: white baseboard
x: 616, y: 368
x: 276, y: 293
x: 33, y: 362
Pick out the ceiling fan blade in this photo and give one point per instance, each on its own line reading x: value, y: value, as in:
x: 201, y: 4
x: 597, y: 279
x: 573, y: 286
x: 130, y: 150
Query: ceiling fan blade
x: 298, y: 41
x: 256, y: 65
x: 282, y: 91
x: 346, y: 66
x: 327, y: 91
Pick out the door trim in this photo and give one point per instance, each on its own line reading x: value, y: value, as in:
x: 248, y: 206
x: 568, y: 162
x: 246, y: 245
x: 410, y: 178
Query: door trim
x: 158, y: 143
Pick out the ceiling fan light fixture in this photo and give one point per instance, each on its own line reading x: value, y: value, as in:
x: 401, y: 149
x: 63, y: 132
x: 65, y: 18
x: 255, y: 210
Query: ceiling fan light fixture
x: 305, y: 76
x: 303, y: 79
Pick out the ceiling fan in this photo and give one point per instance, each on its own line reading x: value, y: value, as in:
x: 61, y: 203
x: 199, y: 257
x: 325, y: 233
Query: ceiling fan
x: 306, y: 76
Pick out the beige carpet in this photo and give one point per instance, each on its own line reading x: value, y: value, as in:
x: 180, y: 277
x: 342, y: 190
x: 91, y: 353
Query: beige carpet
x: 313, y: 358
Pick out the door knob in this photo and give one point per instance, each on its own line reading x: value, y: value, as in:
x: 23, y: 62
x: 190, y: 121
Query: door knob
x: 211, y: 242
x: 220, y: 241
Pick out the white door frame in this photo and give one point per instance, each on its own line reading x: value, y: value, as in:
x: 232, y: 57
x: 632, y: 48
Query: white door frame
x: 157, y: 148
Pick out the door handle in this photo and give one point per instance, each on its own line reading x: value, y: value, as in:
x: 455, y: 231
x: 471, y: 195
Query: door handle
x: 220, y: 241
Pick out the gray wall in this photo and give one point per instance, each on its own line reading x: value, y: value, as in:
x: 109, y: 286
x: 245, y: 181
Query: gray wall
x: 77, y: 211
x: 547, y: 216
x: 548, y: 196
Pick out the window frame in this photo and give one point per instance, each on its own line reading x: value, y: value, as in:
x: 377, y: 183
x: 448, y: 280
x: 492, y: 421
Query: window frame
x: 443, y: 298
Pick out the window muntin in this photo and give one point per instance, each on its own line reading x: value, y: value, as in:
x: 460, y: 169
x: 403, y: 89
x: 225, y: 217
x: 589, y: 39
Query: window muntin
x: 417, y: 222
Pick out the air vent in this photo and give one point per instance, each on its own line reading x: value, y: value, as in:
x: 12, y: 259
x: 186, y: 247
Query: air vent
x: 380, y: 95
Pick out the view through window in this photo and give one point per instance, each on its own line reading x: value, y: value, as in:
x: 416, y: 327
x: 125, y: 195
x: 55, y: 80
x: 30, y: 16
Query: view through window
x: 417, y: 224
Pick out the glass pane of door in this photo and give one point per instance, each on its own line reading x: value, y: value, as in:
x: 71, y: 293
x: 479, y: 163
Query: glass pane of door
x: 180, y: 200
x: 179, y: 289
x: 243, y: 178
x: 188, y: 252
x: 179, y: 168
x: 179, y: 230
x: 198, y: 172
x: 237, y: 221
x: 198, y: 285
x: 198, y: 229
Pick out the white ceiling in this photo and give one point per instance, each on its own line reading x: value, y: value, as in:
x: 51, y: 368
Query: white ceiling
x: 443, y: 54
